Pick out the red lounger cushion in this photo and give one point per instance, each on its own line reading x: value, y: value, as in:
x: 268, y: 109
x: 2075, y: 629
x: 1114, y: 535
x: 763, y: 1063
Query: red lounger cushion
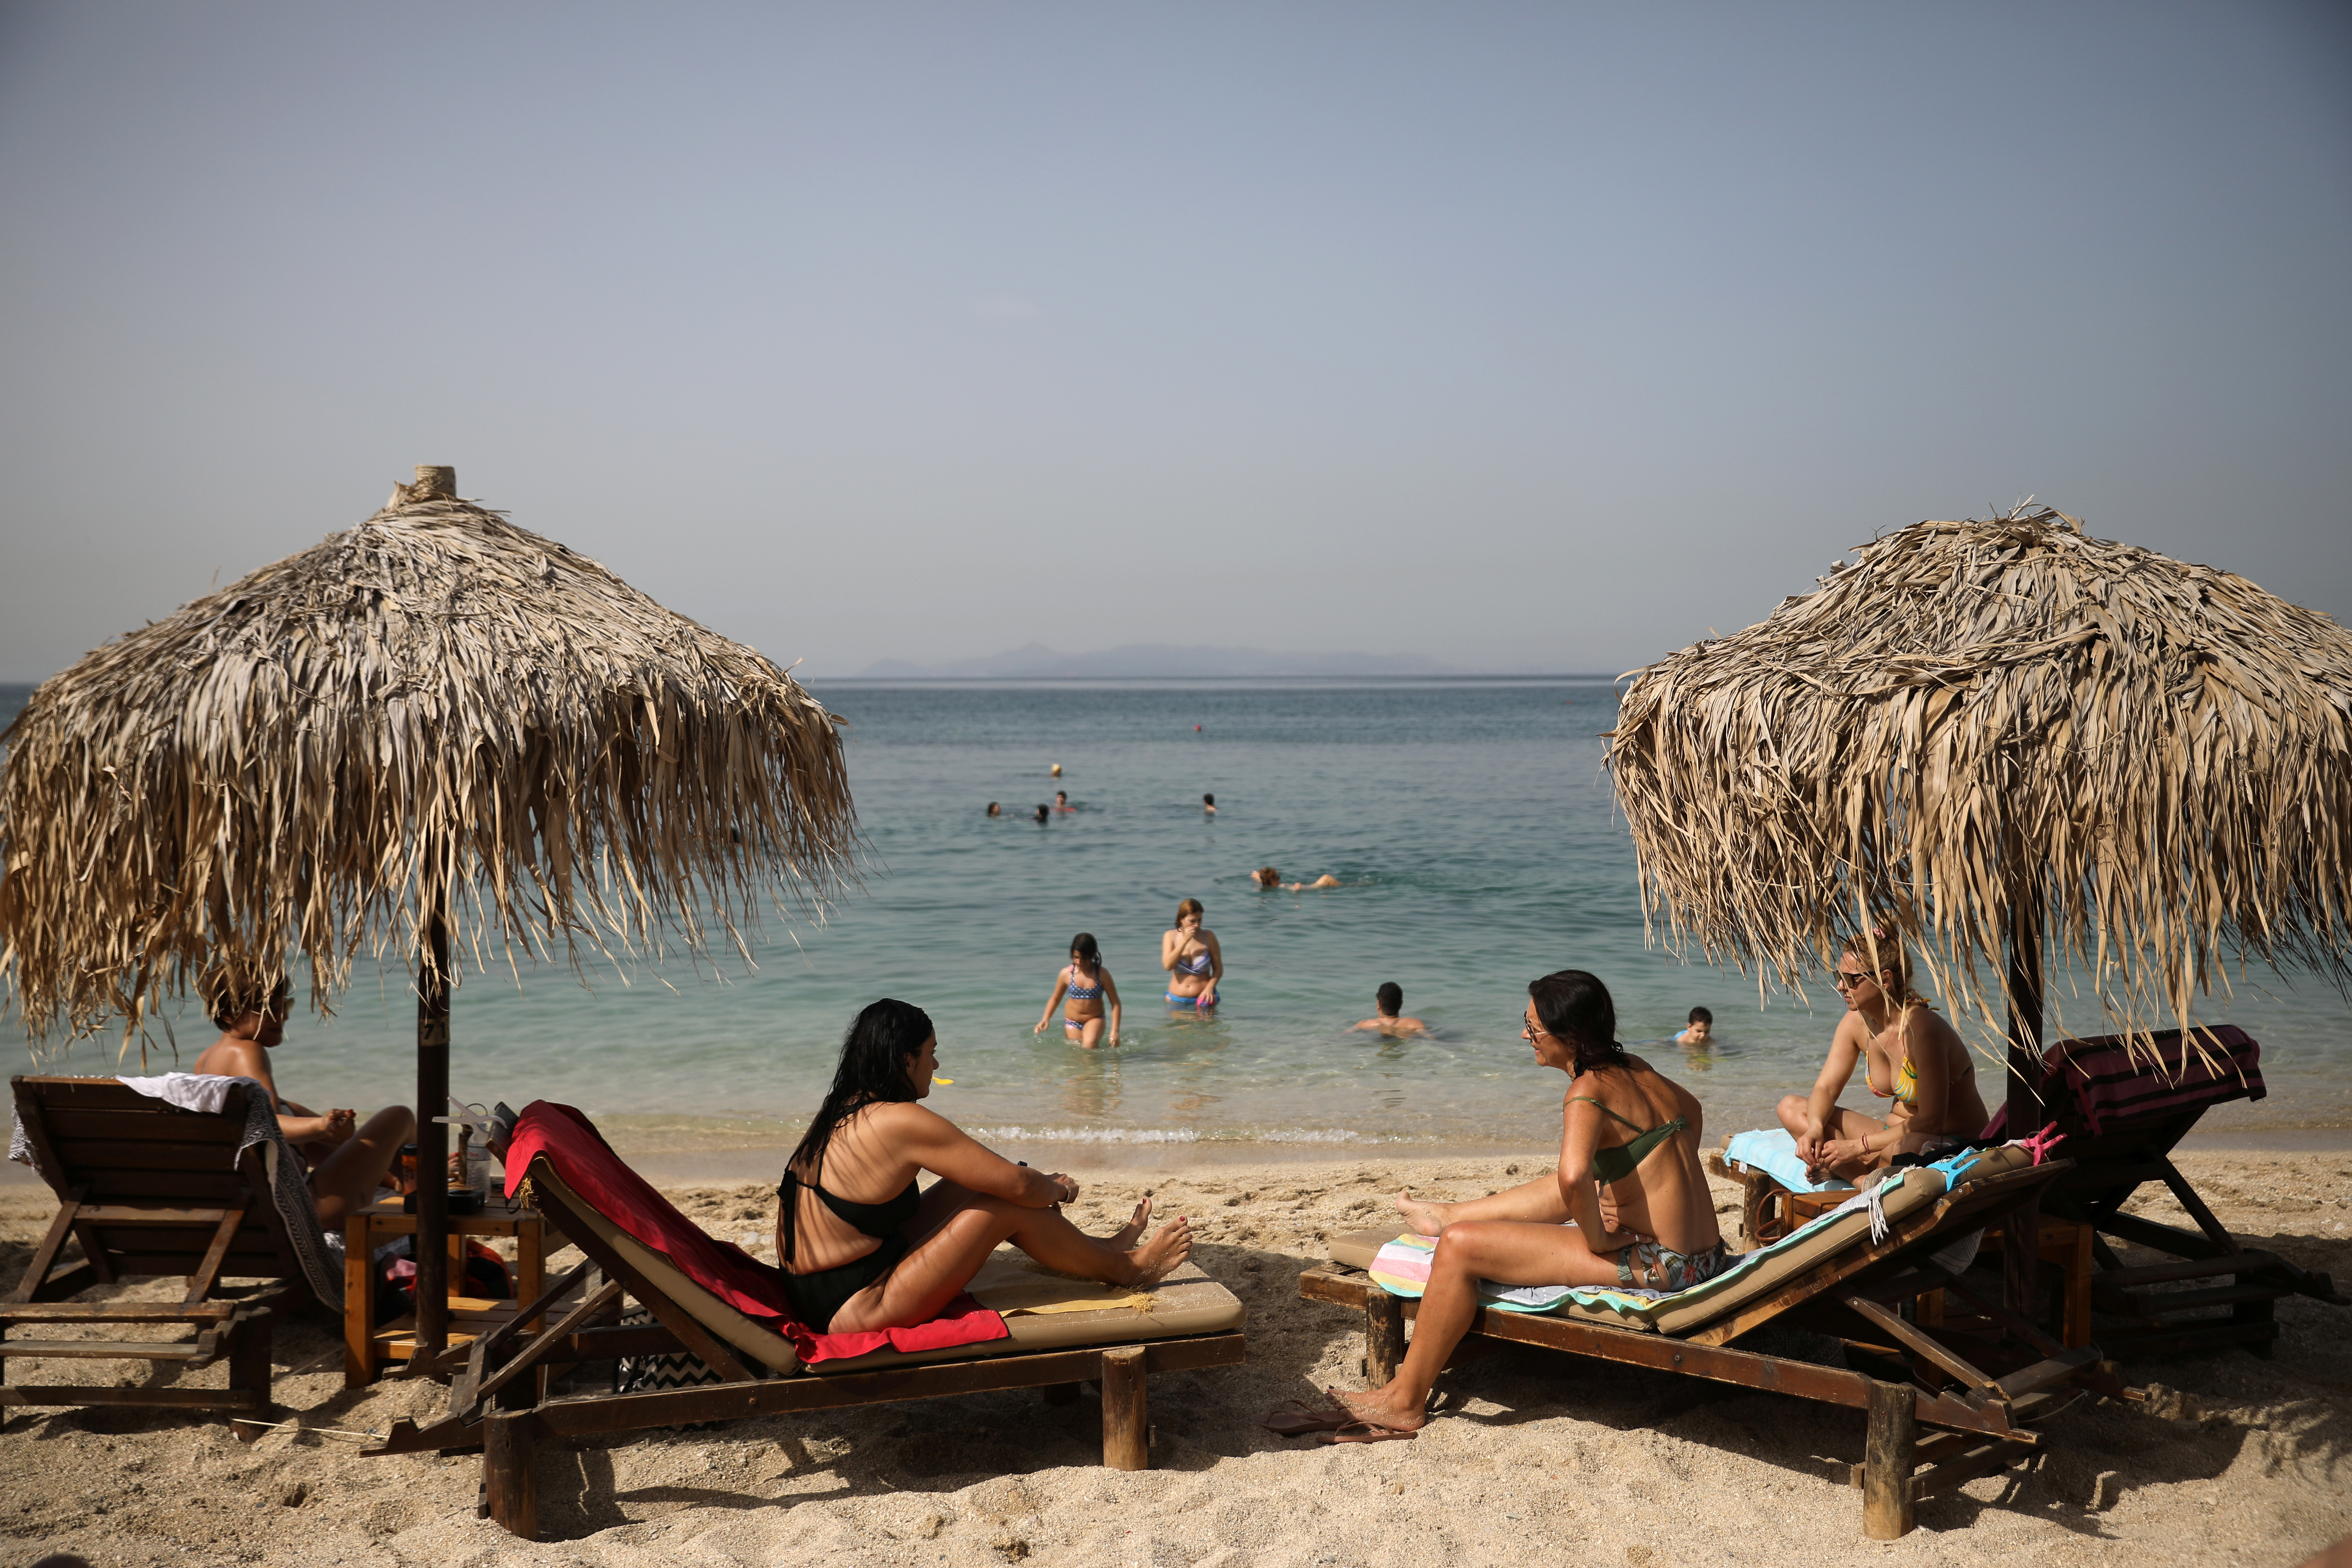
x: 570, y: 1141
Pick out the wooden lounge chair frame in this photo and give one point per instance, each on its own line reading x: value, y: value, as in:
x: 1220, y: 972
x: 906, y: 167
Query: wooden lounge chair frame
x: 147, y: 1190
x: 2107, y: 1168
x: 495, y: 1407
x: 1981, y: 1397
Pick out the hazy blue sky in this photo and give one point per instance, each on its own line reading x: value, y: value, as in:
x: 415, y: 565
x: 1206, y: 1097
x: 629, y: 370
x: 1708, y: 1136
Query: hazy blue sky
x: 1520, y: 336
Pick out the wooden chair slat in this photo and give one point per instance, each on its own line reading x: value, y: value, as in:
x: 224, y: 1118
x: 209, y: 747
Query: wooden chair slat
x: 161, y: 1125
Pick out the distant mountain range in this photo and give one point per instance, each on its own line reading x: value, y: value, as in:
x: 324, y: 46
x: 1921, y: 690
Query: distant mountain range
x: 1145, y: 661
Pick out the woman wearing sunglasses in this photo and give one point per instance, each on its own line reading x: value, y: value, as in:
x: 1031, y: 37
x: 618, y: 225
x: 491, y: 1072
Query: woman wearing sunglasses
x: 1915, y: 1059
x: 1627, y: 1207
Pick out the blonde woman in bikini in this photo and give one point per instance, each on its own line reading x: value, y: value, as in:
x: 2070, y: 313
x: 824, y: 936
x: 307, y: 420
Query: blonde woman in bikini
x: 1914, y: 1058
x: 1195, y: 963
x: 1087, y: 984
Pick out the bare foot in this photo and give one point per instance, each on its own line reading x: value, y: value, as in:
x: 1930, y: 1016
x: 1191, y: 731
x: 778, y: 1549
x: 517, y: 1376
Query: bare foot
x: 1426, y: 1218
x: 1164, y: 1253
x: 1376, y: 1406
x: 1127, y: 1235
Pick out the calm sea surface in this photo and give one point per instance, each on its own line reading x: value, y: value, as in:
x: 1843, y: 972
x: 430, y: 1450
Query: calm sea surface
x: 1471, y: 822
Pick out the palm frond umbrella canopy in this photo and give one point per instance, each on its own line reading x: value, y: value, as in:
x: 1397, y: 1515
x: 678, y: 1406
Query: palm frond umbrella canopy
x: 1986, y: 735
x: 433, y: 725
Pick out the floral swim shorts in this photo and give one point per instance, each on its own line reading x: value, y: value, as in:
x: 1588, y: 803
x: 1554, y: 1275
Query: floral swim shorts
x: 1646, y: 1266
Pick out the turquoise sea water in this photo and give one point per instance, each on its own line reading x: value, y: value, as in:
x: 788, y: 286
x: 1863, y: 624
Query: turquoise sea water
x: 1470, y: 820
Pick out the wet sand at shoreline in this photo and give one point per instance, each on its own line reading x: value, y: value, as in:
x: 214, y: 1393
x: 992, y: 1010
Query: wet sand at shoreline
x: 1537, y: 1458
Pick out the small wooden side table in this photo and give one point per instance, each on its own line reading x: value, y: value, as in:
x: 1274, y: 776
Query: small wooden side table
x: 366, y: 1348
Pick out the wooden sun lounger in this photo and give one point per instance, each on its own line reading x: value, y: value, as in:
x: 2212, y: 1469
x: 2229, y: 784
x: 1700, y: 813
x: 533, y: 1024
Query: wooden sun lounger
x: 149, y: 1190
x: 2207, y: 1292
x: 1193, y: 1324
x: 2167, y: 1307
x: 1981, y: 1399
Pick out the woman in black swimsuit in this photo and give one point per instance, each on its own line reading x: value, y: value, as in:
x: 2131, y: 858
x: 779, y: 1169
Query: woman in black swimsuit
x: 864, y: 1248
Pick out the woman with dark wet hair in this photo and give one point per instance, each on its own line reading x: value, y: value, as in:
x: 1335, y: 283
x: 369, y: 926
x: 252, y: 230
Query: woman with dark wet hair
x: 864, y: 1248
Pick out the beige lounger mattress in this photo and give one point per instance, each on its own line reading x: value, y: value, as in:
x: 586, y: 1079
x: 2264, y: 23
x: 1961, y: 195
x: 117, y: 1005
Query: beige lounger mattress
x: 1187, y: 1302
x: 1696, y: 1308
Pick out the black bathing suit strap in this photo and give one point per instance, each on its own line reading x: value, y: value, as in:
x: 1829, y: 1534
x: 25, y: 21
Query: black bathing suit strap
x: 792, y: 1201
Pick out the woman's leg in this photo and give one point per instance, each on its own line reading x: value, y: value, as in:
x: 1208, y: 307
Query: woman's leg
x: 1538, y: 1201
x: 349, y: 1178
x: 957, y: 1228
x: 1469, y: 1251
x: 1091, y: 1033
x: 1796, y: 1111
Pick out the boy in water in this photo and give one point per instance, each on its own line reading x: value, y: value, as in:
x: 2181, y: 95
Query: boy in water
x: 1389, y: 1002
x: 1702, y: 1027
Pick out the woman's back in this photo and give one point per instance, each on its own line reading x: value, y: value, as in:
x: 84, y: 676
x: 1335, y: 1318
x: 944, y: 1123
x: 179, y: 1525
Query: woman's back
x: 865, y: 1172
x: 1648, y: 1167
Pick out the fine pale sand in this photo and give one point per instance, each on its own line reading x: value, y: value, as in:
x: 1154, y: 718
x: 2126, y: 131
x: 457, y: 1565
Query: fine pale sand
x: 1537, y: 1458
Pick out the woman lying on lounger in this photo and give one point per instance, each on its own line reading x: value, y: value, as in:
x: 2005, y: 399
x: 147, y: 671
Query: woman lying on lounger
x: 863, y: 1249
x: 1915, y: 1059
x: 1628, y: 1186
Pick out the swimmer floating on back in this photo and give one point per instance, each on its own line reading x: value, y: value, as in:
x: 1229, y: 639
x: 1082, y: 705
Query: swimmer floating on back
x: 1088, y: 985
x: 1195, y: 963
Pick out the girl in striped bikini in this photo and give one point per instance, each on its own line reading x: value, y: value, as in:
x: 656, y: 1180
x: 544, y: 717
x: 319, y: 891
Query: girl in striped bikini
x: 1195, y: 963
x: 1087, y: 983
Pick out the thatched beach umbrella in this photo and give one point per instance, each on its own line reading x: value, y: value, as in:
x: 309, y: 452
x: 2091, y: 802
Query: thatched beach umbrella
x: 1989, y: 733
x: 432, y: 727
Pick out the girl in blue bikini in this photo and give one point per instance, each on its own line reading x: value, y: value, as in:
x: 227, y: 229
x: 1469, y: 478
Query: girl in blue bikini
x: 1195, y: 963
x: 1087, y: 984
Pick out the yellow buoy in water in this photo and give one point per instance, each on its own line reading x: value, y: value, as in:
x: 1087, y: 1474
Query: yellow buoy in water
x: 948, y: 1081
x: 1057, y: 769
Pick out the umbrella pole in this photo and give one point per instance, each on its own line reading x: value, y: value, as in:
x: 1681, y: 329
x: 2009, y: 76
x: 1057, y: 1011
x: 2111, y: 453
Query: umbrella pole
x: 433, y: 1139
x: 2020, y: 1243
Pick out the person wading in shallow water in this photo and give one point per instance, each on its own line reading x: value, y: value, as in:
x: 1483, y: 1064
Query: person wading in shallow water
x: 1195, y: 963
x: 1087, y: 984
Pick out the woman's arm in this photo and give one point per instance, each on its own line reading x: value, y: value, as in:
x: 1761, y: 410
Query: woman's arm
x: 1061, y: 983
x: 1110, y: 989
x: 1171, y: 942
x: 939, y: 1146
x: 1216, y: 962
x: 1845, y: 1046
x: 1580, y: 1136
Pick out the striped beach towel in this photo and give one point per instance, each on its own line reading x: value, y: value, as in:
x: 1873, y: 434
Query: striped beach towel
x: 1401, y: 1268
x: 2110, y: 1087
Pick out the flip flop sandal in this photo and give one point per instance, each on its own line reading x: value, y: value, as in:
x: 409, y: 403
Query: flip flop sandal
x: 1366, y: 1432
x: 1291, y: 1418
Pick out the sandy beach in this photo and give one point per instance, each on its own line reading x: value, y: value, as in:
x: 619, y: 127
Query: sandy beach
x: 1537, y: 1458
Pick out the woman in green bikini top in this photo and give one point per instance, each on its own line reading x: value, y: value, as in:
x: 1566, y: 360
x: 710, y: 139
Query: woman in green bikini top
x: 1629, y: 1213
